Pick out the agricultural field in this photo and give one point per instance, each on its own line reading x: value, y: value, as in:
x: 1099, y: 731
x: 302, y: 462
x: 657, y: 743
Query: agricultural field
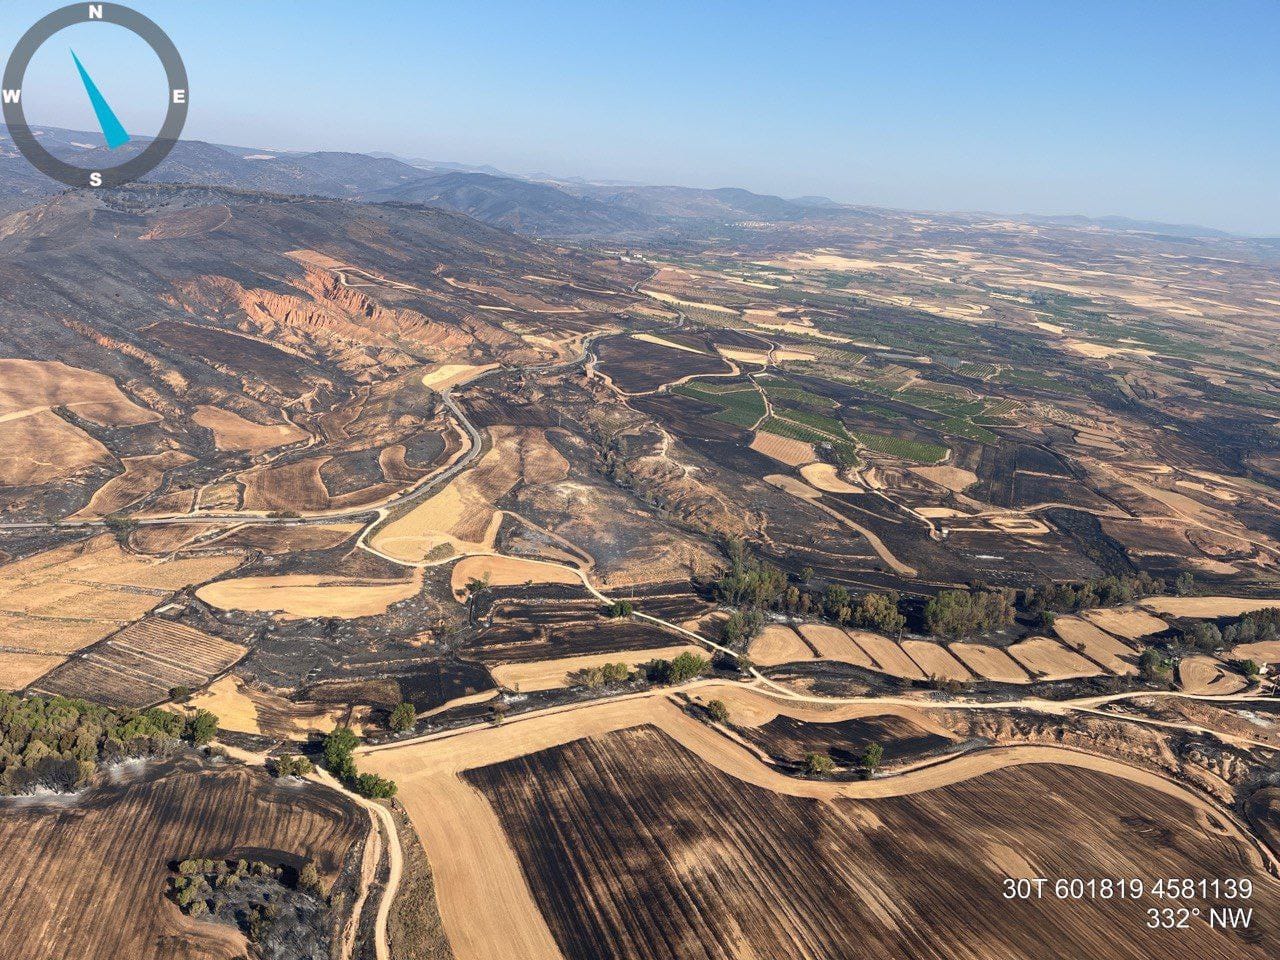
x: 726, y: 802
x: 770, y: 581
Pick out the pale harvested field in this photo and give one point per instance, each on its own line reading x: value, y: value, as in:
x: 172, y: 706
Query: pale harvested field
x: 44, y: 384
x: 507, y: 572
x: 67, y: 598
x: 990, y: 662
x: 226, y: 698
x: 1205, y: 675
x: 888, y: 656
x: 248, y: 710
x: 1050, y: 660
x: 42, y: 447
x: 141, y: 476
x: 233, y: 432
x: 783, y: 449
x: 759, y: 357
x: 1130, y: 624
x: 650, y: 338
x: 50, y: 635
x: 451, y: 374
x: 301, y: 596
x: 18, y: 670
x: 935, y: 660
x: 778, y: 643
x: 669, y: 298
x: 1265, y: 652
x: 553, y: 674
x: 952, y: 478
x: 462, y: 515
x: 832, y: 643
x: 474, y: 861
x: 826, y: 478
x: 1098, y: 645
x: 1206, y: 606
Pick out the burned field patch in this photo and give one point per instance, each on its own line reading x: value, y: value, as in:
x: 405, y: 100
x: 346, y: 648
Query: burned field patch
x: 522, y: 643
x: 633, y: 847
x: 87, y: 878
x: 789, y: 740
x: 284, y: 371
x: 636, y: 366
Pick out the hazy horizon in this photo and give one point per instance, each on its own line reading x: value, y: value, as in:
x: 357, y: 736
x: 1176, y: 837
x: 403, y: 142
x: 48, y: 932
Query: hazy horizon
x: 1150, y: 112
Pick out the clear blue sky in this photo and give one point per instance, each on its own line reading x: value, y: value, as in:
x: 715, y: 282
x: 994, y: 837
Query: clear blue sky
x: 1166, y: 110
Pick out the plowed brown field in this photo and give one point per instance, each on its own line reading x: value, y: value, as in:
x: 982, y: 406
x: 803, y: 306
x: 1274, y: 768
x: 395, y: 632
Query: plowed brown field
x: 87, y: 879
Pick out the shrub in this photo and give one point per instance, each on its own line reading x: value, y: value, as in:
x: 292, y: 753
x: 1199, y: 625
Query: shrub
x: 718, y: 712
x: 818, y: 764
x: 403, y: 717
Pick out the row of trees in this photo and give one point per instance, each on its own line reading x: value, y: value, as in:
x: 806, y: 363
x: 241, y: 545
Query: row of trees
x: 1102, y: 592
x: 821, y: 764
x: 339, y: 759
x: 1258, y: 626
x: 58, y: 742
x: 957, y: 614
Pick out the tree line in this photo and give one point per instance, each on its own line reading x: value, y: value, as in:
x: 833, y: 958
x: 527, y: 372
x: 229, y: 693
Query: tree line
x: 58, y: 742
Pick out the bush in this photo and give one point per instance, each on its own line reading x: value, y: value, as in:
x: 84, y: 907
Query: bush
x: 291, y: 766
x: 403, y: 717
x: 202, y: 727
x: 818, y: 764
x: 872, y: 757
x: 682, y: 669
x: 718, y: 712
x: 620, y: 608
x: 373, y: 786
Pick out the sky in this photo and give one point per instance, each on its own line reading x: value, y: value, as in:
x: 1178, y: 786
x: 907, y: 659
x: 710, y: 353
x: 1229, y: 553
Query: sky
x: 1164, y: 110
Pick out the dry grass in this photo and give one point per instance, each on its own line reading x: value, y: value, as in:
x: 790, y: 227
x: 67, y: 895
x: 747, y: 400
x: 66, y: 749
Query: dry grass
x: 474, y: 861
x: 451, y: 374
x: 507, y: 572
x: 991, y: 663
x: 1206, y: 606
x: 19, y: 670
x: 296, y: 487
x: 783, y: 449
x: 463, y: 515
x: 67, y: 598
x: 1050, y: 660
x: 826, y: 478
x: 142, y: 475
x: 935, y: 660
x: 832, y: 643
x: 888, y: 656
x: 951, y: 478
x: 1268, y: 651
x: 553, y: 674
x: 233, y: 432
x: 1206, y: 675
x: 778, y: 644
x: 1096, y: 644
x: 301, y: 596
x: 1130, y: 624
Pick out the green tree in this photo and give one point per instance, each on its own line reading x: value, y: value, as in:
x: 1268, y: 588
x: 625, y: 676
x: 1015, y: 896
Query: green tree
x: 872, y: 757
x: 202, y: 727
x: 1249, y: 668
x: 818, y: 764
x: 1184, y: 585
x: 620, y: 608
x: 338, y: 748
x: 373, y: 786
x: 718, y: 712
x: 403, y: 717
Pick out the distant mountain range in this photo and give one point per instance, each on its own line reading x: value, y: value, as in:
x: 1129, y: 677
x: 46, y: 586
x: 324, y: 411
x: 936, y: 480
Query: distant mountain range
x: 561, y: 208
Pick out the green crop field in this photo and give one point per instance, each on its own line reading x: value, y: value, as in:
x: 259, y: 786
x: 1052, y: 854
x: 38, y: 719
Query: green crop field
x: 742, y: 406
